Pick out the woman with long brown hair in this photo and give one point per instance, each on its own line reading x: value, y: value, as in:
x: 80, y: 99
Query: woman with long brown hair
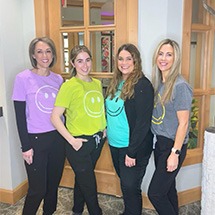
x: 129, y: 105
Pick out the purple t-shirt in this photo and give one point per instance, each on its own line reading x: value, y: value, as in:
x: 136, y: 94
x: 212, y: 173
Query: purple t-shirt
x: 39, y: 93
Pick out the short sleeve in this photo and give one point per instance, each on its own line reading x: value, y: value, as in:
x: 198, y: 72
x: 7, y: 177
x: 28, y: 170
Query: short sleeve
x: 182, y: 97
x: 19, y: 91
x: 63, y: 95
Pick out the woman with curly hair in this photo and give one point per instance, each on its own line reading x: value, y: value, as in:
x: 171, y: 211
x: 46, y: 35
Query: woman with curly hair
x: 129, y: 105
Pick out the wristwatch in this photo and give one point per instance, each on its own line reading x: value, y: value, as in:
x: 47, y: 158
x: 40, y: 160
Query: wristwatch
x: 176, y: 151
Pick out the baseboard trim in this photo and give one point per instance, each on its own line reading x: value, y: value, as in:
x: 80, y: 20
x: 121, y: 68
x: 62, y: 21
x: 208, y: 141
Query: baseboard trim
x: 12, y: 196
x: 184, y: 197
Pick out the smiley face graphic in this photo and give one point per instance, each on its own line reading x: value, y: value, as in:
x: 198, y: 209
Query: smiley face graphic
x: 93, y: 103
x: 45, y: 98
x: 115, y: 107
x: 158, y: 118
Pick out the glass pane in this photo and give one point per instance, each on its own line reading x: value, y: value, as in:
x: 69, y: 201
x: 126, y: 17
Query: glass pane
x: 101, y: 12
x: 198, y: 12
x: 102, y: 47
x: 213, y: 68
x: 194, y: 123
x: 69, y: 41
x: 197, y: 59
x: 72, y: 13
x: 212, y: 111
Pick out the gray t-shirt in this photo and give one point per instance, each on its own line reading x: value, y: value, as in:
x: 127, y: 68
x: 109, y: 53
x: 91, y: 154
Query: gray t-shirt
x: 164, y: 118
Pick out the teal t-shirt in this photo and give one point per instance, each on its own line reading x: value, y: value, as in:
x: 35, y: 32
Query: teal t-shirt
x: 117, y: 123
x: 84, y: 104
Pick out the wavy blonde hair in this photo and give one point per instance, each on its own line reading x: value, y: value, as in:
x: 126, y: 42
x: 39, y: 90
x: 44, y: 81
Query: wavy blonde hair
x: 175, y: 71
x: 128, y: 87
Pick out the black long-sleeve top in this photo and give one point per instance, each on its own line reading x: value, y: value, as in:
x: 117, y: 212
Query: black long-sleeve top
x: 139, y: 112
x: 21, y: 121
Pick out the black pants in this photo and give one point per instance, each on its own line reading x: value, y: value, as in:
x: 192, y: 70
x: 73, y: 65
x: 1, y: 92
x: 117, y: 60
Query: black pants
x: 45, y: 172
x: 83, y: 164
x: 131, y: 178
x: 162, y: 189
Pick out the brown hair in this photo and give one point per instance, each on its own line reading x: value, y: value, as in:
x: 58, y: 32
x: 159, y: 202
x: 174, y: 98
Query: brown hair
x: 128, y: 87
x: 74, y: 53
x: 49, y: 42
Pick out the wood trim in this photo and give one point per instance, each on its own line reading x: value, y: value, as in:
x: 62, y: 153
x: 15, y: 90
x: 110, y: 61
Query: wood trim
x: 193, y: 156
x: 54, y: 12
x: 186, y: 39
x: 132, y: 21
x: 200, y: 27
x: 12, y: 196
x: 184, y: 197
x: 203, y: 89
x: 200, y: 92
x: 121, y: 30
x: 41, y: 18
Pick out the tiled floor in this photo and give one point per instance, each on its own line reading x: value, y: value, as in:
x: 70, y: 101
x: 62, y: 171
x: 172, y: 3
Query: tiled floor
x: 109, y: 204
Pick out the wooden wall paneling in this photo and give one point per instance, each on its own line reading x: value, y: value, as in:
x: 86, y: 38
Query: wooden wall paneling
x: 199, y: 61
x: 41, y: 18
x: 186, y: 38
x: 132, y: 21
x: 121, y: 36
x: 54, y: 9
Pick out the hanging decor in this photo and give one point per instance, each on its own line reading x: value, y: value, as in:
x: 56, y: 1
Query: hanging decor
x: 208, y: 8
x: 64, y: 3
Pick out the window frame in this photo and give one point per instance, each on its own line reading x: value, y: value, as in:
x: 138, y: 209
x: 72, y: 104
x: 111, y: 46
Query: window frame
x: 194, y: 156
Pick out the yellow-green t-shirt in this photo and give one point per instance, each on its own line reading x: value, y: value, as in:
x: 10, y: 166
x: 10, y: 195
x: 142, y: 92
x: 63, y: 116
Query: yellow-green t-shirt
x: 84, y: 104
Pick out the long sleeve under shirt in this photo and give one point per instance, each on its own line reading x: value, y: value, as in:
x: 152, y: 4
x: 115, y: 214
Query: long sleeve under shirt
x: 34, y: 96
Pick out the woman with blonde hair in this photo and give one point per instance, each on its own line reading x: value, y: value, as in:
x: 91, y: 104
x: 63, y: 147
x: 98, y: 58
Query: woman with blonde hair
x: 129, y: 105
x: 170, y: 125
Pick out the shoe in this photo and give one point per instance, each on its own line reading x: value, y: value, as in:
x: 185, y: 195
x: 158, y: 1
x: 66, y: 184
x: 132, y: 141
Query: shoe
x: 76, y: 213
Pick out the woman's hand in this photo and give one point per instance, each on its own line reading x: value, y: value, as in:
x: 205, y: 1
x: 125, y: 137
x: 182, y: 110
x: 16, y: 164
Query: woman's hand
x: 104, y: 133
x: 28, y: 156
x: 172, y: 162
x: 130, y: 162
x: 77, y: 143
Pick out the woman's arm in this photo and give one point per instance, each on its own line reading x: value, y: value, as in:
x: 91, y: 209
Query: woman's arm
x: 59, y: 125
x: 183, y: 122
x: 27, y: 151
x: 142, y: 109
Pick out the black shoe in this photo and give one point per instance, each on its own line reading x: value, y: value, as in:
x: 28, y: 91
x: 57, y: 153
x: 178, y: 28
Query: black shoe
x: 76, y: 213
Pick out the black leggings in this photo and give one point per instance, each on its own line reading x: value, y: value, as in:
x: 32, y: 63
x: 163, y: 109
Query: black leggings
x: 162, y: 189
x: 83, y: 164
x: 44, y: 174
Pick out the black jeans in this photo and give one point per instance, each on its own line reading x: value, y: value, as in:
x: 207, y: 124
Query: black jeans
x: 45, y: 172
x: 162, y: 189
x: 83, y: 164
x: 130, y: 178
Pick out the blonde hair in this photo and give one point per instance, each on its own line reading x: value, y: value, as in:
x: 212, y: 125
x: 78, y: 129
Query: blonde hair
x: 136, y: 74
x: 175, y: 70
